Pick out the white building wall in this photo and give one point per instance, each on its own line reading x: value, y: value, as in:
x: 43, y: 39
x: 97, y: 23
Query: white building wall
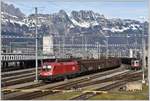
x: 131, y: 53
x: 48, y: 45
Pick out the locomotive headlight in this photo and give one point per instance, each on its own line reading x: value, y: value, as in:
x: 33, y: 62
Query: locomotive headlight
x: 49, y: 67
x: 44, y: 67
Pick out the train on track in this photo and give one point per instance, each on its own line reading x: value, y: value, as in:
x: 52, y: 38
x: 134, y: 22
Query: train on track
x: 136, y: 64
x: 68, y: 69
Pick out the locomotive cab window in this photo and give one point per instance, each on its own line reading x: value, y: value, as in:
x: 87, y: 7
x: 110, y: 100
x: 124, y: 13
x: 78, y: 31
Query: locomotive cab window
x: 47, y: 67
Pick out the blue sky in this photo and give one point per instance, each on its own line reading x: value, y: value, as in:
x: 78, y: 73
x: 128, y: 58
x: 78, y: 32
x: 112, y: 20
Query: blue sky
x: 110, y: 8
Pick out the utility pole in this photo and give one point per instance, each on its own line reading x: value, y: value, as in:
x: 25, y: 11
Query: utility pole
x: 82, y: 44
x: 85, y: 44
x: 72, y: 45
x: 2, y: 94
x: 107, y: 50
x: 36, y: 50
x: 149, y: 55
x: 97, y: 50
x: 136, y: 46
x: 127, y: 46
x: 63, y: 46
x: 143, y: 51
x: 143, y: 57
x: 59, y: 37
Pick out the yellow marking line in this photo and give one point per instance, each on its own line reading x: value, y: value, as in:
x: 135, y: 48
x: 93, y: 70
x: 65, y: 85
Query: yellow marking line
x: 95, y: 92
x: 46, y: 90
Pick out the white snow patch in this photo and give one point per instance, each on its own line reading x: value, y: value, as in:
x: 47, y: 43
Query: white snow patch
x: 4, y: 20
x: 5, y: 13
x: 125, y: 28
x: 106, y: 28
x: 134, y: 26
x: 18, y: 22
x: 84, y: 24
x: 94, y: 23
x: 116, y: 29
x: 81, y: 24
x: 71, y: 26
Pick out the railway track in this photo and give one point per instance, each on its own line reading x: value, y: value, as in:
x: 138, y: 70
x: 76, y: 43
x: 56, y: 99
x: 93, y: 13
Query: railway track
x: 85, y: 84
x: 21, y: 86
x: 8, y: 69
x: 17, y: 77
x: 28, y: 86
x: 87, y: 95
x: 18, y: 80
x: 16, y: 72
x: 31, y: 95
x: 102, y: 81
x: 33, y: 85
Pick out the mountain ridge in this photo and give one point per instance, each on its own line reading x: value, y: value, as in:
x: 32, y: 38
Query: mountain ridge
x: 84, y: 22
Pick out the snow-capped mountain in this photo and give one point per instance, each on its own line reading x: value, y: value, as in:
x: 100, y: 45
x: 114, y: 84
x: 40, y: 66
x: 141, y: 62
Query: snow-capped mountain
x: 77, y: 22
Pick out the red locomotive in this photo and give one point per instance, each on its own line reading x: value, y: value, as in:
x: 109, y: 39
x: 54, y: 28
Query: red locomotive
x: 56, y: 70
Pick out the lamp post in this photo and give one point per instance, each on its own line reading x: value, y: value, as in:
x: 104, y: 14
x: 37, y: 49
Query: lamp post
x: 99, y: 53
x: 143, y: 51
x: 59, y: 37
x: 85, y: 44
x: 82, y: 42
x: 63, y: 45
x: 97, y: 46
x: 72, y: 44
x: 128, y: 44
x: 136, y: 43
x: 36, y: 49
x: 149, y: 55
x: 106, y: 42
x: 143, y: 57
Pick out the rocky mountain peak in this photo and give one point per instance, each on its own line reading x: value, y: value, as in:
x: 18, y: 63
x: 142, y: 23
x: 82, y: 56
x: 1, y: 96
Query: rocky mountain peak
x: 10, y: 10
x: 62, y: 12
x: 78, y: 22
